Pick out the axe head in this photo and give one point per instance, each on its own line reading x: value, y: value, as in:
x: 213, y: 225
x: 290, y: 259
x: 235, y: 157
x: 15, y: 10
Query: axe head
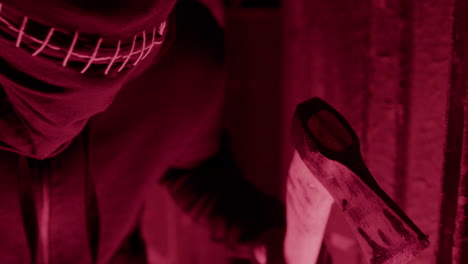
x: 330, y: 149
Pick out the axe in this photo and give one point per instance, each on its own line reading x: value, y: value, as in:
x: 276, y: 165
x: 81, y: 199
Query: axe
x: 330, y: 149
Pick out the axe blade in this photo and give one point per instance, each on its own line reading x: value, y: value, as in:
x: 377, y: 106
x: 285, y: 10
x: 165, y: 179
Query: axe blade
x: 330, y: 149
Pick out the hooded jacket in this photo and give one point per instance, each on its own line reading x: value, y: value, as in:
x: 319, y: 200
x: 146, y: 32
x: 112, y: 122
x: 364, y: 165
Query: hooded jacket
x: 80, y: 153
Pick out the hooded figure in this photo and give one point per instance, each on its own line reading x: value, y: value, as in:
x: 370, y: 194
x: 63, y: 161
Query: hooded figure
x: 100, y: 100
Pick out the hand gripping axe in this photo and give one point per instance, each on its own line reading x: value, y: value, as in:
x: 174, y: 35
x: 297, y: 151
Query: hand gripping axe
x: 330, y: 149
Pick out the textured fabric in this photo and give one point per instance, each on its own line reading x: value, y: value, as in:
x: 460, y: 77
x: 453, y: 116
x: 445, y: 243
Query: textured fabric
x: 111, y: 19
x: 215, y: 192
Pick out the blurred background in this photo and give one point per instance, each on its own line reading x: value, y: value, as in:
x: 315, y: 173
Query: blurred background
x: 391, y: 67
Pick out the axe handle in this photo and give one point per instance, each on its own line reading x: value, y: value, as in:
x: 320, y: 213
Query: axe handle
x: 308, y: 206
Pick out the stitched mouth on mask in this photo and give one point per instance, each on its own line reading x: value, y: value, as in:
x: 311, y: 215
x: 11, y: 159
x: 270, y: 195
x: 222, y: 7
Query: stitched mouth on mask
x: 88, y: 54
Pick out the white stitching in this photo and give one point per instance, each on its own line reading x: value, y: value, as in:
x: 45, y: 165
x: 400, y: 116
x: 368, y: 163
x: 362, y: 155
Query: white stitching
x: 21, y: 31
x: 45, y: 43
x: 142, y: 49
x: 70, y: 50
x: 129, y: 55
x: 161, y: 28
x: 96, y: 49
x: 113, y: 58
x: 81, y: 56
x: 152, y: 43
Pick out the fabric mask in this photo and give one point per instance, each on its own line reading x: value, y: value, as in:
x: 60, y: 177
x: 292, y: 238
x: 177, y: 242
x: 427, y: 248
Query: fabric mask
x: 57, y: 71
